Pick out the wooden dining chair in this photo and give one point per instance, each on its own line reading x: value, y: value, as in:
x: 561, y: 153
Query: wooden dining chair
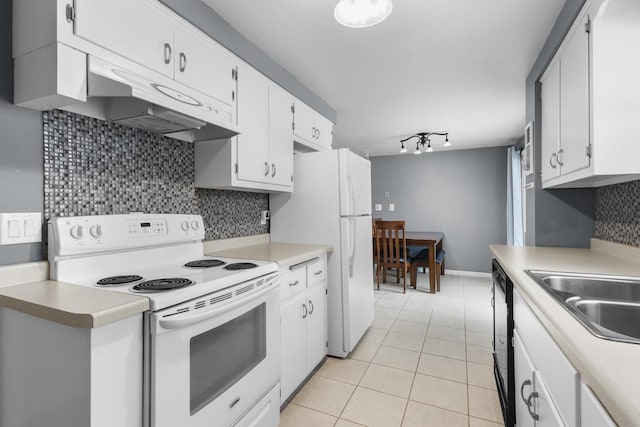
x: 391, y: 251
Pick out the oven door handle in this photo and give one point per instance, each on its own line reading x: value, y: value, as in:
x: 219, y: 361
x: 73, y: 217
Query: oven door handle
x: 188, y: 318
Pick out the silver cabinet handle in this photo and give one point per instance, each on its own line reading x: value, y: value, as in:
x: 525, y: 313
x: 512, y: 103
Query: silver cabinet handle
x: 167, y: 53
x: 560, y: 157
x: 294, y: 283
x: 266, y: 168
x: 551, y: 162
x: 306, y: 312
x: 183, y: 62
x: 533, y: 395
x: 524, y: 384
x: 273, y: 170
x: 311, y: 306
x: 527, y: 400
x: 317, y: 273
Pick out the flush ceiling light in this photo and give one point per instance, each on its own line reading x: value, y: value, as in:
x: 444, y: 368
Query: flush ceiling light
x: 362, y: 13
x: 425, y: 141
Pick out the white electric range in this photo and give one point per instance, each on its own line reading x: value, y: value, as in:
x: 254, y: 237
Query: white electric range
x: 212, y: 340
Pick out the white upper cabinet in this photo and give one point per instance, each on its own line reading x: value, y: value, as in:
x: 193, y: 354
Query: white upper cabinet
x: 551, y: 122
x: 280, y: 136
x: 574, y: 99
x: 253, y: 117
x: 591, y: 100
x: 202, y: 65
x: 149, y: 36
x: 310, y: 128
x: 261, y: 157
x: 133, y: 29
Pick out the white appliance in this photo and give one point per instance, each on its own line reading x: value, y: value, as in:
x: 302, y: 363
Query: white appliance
x: 332, y: 205
x: 212, y: 336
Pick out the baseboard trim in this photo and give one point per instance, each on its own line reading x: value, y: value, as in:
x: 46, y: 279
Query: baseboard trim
x: 468, y: 273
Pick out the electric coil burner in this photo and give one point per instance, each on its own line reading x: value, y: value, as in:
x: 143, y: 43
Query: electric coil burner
x: 119, y: 280
x: 240, y: 266
x: 163, y: 284
x: 205, y: 263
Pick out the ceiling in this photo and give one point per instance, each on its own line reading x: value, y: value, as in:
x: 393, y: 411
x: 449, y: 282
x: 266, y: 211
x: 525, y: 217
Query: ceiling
x: 457, y: 66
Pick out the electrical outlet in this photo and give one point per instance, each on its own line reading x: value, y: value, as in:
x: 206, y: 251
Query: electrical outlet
x: 264, y: 217
x: 378, y: 207
x: 386, y: 194
x: 392, y: 207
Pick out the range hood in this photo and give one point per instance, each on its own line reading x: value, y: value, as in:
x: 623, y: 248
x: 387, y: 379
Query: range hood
x: 172, y: 110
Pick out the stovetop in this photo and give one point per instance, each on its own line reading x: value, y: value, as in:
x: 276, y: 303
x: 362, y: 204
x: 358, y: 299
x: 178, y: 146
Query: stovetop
x: 197, y: 281
x: 90, y: 251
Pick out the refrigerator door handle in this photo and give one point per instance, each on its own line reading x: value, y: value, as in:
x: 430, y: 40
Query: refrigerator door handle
x: 352, y: 197
x: 352, y: 244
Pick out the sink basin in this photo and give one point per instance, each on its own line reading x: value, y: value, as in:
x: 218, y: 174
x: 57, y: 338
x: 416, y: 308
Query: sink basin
x: 591, y: 286
x: 621, y: 318
x: 609, y: 306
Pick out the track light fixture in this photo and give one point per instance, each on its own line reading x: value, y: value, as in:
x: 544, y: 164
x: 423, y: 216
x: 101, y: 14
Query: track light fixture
x: 424, y: 140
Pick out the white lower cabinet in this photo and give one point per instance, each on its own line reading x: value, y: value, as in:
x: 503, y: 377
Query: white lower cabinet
x: 303, y: 322
x: 547, y: 384
x: 592, y: 413
x: 549, y: 391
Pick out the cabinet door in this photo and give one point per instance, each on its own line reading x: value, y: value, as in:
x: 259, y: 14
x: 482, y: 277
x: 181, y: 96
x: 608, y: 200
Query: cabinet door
x: 550, y: 134
x: 325, y: 131
x: 293, y: 330
x: 202, y: 65
x: 304, y: 122
x: 280, y: 136
x: 592, y: 414
x: 134, y: 29
x: 523, y: 374
x: 253, y: 119
x: 574, y: 100
x: 548, y: 415
x: 316, y: 325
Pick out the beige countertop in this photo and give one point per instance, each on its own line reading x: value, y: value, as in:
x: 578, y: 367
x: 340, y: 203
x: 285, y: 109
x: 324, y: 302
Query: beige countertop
x: 71, y: 305
x: 610, y: 368
x: 281, y: 253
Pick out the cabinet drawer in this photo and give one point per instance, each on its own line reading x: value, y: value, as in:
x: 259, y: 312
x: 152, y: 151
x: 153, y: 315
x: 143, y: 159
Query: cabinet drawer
x: 316, y: 272
x: 292, y: 283
x: 561, y: 379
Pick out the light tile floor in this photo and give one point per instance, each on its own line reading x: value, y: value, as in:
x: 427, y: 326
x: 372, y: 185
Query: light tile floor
x: 425, y: 361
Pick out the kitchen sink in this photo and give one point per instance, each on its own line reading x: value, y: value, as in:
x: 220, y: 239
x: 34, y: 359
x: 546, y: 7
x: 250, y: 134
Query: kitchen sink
x: 609, y: 306
x: 621, y: 318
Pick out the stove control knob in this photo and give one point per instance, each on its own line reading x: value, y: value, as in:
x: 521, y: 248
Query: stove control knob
x: 76, y: 232
x: 195, y: 225
x: 185, y: 225
x: 96, y: 231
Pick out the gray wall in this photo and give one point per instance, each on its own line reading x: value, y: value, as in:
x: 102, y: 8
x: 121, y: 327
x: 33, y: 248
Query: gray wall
x: 555, y: 217
x: 200, y: 15
x: 21, y: 173
x: 462, y: 193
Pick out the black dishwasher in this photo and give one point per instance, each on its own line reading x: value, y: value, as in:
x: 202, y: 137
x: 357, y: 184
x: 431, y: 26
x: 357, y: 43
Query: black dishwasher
x: 503, y: 364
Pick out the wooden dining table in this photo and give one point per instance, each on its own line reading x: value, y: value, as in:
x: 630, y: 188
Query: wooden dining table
x: 431, y: 240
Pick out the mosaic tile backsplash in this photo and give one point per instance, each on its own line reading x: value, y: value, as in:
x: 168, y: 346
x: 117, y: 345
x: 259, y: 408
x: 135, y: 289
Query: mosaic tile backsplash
x: 93, y: 167
x: 618, y: 213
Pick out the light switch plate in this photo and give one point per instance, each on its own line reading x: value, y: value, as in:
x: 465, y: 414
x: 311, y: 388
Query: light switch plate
x: 392, y: 207
x: 378, y: 207
x: 20, y: 227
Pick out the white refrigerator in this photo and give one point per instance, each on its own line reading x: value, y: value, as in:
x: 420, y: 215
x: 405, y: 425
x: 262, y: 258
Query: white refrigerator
x: 331, y: 204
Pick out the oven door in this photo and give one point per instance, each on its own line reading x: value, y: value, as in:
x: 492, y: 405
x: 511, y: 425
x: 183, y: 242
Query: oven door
x: 211, y: 364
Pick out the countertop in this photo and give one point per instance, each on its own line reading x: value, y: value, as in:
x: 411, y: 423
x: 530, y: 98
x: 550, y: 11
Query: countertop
x: 281, y: 253
x: 71, y: 305
x: 610, y: 368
